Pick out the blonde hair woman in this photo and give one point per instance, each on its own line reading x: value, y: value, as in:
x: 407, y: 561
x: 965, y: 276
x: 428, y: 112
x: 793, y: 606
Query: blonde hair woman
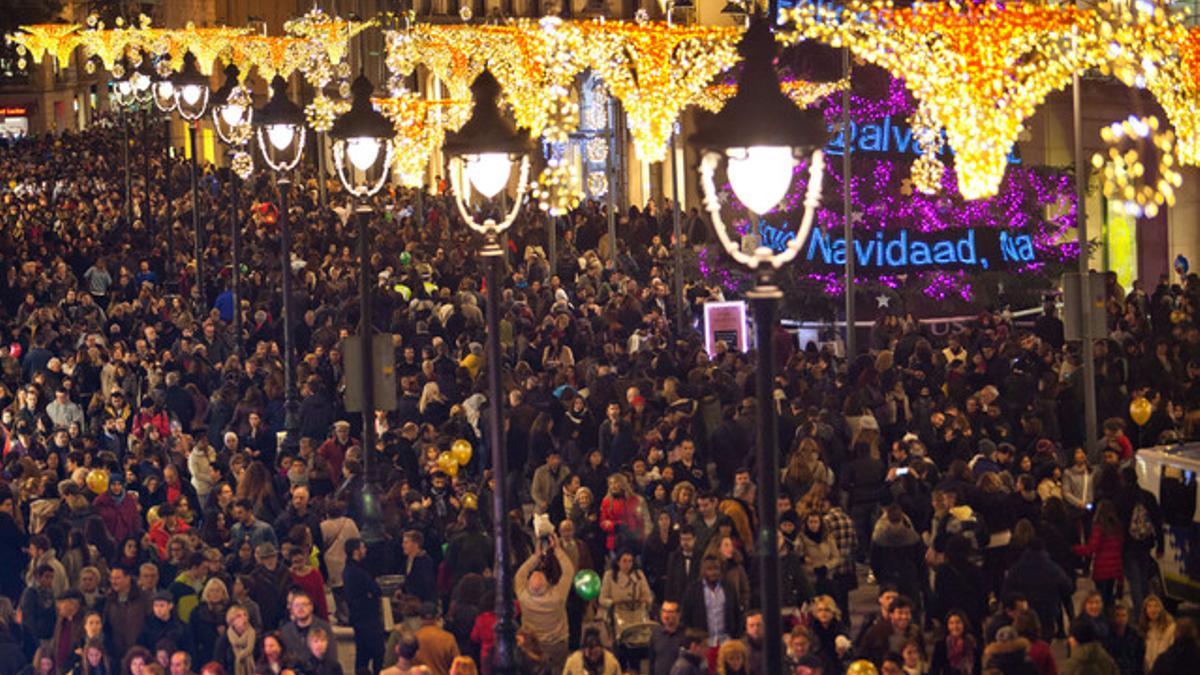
x: 1158, y: 627
x: 236, y: 644
x: 208, y: 619
x: 733, y: 658
x: 463, y: 665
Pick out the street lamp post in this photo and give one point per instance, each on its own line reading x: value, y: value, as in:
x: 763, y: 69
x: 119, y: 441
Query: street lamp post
x: 191, y: 100
x: 763, y: 137
x: 163, y: 95
x: 123, y: 96
x: 362, y: 155
x: 232, y: 115
x: 280, y: 135
x: 488, y: 145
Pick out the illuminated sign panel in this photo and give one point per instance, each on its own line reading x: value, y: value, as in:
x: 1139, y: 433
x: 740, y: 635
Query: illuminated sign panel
x: 899, y: 251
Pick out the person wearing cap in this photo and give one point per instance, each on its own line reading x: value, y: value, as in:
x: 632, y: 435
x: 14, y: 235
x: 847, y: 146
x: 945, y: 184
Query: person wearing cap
x: 269, y: 584
x: 163, y: 624
x: 68, y: 628
x: 334, y: 449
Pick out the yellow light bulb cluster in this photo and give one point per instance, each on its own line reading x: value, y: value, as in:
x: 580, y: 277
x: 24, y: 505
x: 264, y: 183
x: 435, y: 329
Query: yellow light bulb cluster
x: 655, y: 70
x: 323, y: 110
x: 802, y: 93
x: 982, y: 69
x: 420, y: 129
x: 1125, y: 173
x: 927, y: 170
x: 557, y: 188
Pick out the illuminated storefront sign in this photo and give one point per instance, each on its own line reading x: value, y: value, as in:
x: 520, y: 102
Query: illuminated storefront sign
x: 899, y: 251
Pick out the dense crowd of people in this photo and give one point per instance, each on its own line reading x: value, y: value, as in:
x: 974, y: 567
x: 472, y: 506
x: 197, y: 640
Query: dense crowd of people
x: 153, y: 520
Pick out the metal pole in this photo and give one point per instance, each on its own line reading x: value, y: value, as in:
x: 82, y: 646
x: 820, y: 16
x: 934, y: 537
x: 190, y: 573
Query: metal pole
x: 1085, y: 295
x: 612, y: 182
x: 146, y: 166
x: 235, y: 277
x: 764, y: 299
x: 848, y: 229
x: 128, y: 176
x: 291, y: 404
x: 198, y: 244
x: 680, y: 323
x: 551, y: 242
x: 366, y: 333
x: 169, y: 195
x: 322, y: 193
x: 506, y: 630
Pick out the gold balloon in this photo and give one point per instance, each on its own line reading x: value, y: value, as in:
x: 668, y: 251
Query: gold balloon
x: 861, y: 667
x: 1140, y: 410
x: 461, y: 451
x: 470, y: 502
x: 97, y: 481
x: 447, y: 465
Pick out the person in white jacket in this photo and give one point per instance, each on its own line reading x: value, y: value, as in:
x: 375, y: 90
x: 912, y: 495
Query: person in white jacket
x: 592, y: 658
x: 200, y: 466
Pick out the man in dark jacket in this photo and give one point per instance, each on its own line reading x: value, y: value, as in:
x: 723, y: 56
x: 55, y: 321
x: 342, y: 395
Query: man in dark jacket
x: 163, y: 624
x: 690, y: 660
x: 268, y: 585
x: 362, y: 599
x: 420, y: 572
x: 683, y: 565
x: 666, y: 639
x: 299, y: 512
x: 125, y: 610
x: 712, y: 596
x: 1043, y: 583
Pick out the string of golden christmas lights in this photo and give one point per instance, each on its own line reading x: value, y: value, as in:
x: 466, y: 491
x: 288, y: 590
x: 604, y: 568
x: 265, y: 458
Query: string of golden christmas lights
x: 981, y: 69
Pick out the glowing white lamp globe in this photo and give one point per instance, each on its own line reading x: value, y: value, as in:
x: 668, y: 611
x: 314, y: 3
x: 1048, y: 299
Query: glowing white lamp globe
x: 760, y: 175
x: 362, y: 152
x: 281, y: 135
x: 489, y: 172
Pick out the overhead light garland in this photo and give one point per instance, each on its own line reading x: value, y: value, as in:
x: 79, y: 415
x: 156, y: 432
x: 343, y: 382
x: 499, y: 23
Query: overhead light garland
x: 57, y: 40
x: 803, y: 93
x: 655, y: 70
x: 982, y: 69
x: 421, y: 127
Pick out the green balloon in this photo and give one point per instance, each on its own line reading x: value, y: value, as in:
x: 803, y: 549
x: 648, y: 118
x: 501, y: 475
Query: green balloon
x: 405, y: 258
x: 587, y: 585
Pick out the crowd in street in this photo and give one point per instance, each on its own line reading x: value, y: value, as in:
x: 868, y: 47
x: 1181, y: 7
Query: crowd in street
x: 153, y: 519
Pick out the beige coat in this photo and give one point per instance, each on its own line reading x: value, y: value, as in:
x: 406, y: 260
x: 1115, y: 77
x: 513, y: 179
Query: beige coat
x: 335, y: 533
x: 627, y: 596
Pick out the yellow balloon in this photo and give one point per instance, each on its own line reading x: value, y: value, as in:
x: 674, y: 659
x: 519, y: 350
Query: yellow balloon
x: 861, y: 667
x: 445, y: 461
x: 470, y: 502
x: 97, y: 481
x: 451, y: 470
x: 1140, y: 410
x: 461, y: 451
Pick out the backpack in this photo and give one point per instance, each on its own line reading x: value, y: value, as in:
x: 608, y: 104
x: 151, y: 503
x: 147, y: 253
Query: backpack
x: 1140, y: 526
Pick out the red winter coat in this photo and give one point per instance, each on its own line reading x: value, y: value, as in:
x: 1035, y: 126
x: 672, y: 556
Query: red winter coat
x: 620, y: 517
x: 122, y: 519
x: 1105, y: 550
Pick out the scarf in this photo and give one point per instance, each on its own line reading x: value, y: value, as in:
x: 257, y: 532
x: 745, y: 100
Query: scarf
x: 243, y: 650
x: 958, y: 654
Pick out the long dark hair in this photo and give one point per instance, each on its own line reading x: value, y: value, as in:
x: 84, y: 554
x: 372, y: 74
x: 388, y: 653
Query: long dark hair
x: 1106, y: 518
